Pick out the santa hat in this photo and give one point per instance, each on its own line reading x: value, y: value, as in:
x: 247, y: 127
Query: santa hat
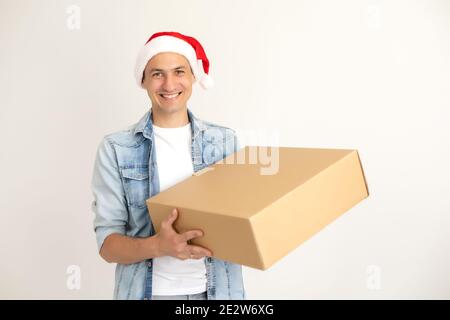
x: 176, y: 42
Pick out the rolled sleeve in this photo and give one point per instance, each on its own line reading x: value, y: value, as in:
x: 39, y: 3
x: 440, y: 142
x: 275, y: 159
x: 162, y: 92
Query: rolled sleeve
x: 109, y: 205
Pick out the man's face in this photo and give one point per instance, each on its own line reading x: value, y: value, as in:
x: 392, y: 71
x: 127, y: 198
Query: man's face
x: 168, y: 80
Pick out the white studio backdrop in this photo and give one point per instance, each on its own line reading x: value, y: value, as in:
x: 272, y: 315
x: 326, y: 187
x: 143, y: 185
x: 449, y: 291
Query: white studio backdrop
x: 370, y: 75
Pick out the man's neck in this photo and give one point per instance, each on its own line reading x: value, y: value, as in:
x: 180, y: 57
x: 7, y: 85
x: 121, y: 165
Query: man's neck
x: 171, y: 120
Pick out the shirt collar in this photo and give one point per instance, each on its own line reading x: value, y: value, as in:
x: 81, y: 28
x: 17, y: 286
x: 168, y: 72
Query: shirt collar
x: 145, y: 125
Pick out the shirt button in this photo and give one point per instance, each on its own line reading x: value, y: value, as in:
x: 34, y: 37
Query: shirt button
x: 149, y: 264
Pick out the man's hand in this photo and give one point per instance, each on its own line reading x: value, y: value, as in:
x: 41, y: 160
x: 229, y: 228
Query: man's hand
x: 171, y: 243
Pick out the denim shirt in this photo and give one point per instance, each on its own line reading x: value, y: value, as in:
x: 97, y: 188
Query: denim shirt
x: 126, y: 175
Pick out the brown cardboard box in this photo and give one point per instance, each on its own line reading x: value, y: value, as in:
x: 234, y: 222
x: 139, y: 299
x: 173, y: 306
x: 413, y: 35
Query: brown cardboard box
x: 253, y: 214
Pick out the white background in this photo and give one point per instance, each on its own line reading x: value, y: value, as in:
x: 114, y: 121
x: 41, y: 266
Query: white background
x: 369, y: 75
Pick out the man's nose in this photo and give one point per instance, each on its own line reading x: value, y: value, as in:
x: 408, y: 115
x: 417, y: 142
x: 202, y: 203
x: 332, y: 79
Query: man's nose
x: 169, y: 83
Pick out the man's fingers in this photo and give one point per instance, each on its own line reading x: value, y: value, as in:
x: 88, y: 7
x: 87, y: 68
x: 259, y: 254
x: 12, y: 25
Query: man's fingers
x: 189, y: 235
x: 196, y: 252
x: 199, y: 252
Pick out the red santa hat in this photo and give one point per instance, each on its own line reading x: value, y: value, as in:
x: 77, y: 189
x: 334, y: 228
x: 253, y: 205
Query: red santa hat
x: 176, y: 42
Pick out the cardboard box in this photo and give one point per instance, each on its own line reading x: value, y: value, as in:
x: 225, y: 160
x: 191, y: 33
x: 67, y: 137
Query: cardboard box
x: 254, y: 214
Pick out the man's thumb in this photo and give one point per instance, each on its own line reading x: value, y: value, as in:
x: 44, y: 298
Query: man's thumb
x: 172, y: 217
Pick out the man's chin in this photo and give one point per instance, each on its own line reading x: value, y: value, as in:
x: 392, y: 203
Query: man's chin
x: 170, y: 108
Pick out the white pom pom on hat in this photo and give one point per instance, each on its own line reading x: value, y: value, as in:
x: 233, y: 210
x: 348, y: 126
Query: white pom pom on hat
x: 176, y: 42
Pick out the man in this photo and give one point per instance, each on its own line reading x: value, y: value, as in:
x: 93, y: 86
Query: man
x: 166, y: 146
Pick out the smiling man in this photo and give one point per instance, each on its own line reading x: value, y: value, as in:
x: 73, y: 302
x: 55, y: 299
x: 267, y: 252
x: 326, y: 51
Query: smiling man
x: 165, y: 147
x: 168, y: 80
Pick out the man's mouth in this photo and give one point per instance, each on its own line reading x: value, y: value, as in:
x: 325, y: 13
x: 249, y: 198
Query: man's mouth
x: 170, y: 96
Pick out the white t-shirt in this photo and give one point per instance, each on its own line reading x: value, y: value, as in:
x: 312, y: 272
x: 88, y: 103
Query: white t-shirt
x: 172, y: 276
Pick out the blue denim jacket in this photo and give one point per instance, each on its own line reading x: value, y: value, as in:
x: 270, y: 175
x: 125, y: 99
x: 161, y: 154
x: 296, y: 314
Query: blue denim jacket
x: 126, y: 174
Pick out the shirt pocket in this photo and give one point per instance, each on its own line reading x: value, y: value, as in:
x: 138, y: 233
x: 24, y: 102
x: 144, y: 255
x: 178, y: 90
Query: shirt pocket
x: 212, y: 145
x: 136, y: 185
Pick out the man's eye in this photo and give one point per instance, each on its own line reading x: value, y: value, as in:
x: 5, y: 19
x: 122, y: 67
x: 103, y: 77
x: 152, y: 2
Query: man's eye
x: 180, y: 72
x: 156, y: 74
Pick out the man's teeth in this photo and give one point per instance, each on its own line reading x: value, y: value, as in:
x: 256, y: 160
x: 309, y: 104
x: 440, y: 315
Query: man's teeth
x: 170, y: 96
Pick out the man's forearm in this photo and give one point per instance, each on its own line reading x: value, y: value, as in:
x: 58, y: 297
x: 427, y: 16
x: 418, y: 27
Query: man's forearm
x: 126, y: 250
